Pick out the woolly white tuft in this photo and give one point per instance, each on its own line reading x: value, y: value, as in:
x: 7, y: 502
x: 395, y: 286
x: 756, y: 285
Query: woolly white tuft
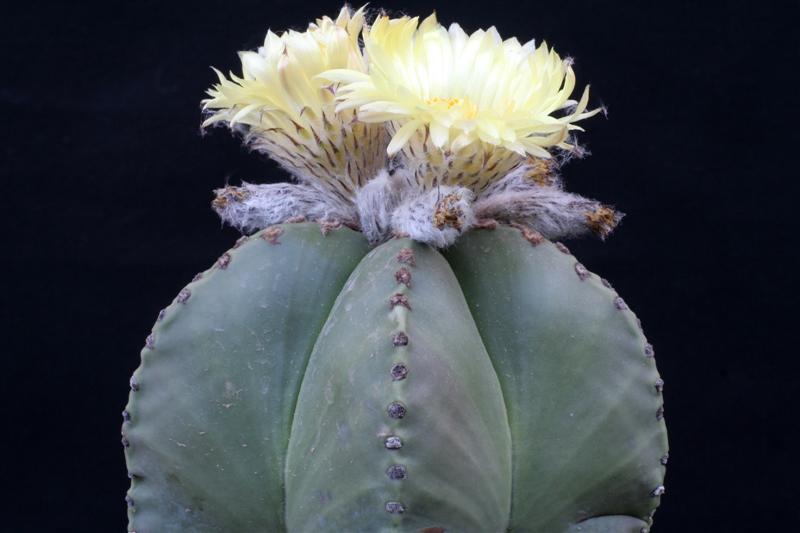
x: 550, y: 210
x: 392, y: 204
x: 437, y: 217
x: 375, y: 203
x: 253, y: 207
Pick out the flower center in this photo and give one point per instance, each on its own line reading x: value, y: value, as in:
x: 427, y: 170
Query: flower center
x: 459, y: 106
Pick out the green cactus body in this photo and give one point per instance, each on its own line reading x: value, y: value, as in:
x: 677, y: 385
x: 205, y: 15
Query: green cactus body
x: 307, y: 383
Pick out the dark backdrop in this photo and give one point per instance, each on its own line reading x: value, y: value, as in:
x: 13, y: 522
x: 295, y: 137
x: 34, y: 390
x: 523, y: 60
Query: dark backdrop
x: 107, y: 184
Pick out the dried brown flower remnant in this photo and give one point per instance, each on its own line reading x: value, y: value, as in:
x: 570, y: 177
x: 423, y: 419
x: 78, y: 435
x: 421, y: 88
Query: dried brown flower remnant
x: 227, y: 194
x: 448, y: 212
x: 602, y: 220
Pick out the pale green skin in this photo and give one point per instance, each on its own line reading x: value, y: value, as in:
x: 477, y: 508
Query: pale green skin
x: 262, y: 404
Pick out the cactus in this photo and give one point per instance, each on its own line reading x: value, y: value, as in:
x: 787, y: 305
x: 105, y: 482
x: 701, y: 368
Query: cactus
x: 385, y: 355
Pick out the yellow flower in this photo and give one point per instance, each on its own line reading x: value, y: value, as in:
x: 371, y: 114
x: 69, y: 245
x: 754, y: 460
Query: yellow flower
x: 462, y: 109
x: 289, y: 113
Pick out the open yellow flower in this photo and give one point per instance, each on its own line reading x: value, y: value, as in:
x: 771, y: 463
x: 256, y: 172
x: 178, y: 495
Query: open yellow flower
x: 462, y: 109
x: 289, y: 113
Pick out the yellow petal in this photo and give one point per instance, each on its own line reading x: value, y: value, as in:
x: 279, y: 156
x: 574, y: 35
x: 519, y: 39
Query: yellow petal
x: 402, y: 136
x: 439, y: 134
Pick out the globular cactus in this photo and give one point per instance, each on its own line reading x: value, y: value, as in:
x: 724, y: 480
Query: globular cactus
x: 341, y: 375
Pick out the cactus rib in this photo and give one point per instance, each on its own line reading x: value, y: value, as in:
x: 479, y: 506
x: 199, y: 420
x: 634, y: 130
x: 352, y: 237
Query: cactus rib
x: 450, y: 466
x: 582, y: 395
x: 211, y: 404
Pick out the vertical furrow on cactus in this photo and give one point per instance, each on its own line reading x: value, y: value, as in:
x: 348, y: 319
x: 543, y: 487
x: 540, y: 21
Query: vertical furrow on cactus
x: 583, y: 394
x: 400, y: 423
x: 207, y: 423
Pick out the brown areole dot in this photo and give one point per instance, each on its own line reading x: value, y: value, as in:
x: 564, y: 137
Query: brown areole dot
x: 397, y: 472
x: 562, y: 247
x: 271, y: 234
x: 184, y: 296
x: 406, y: 255
x: 395, y: 508
x: 529, y: 234
x: 620, y: 304
x: 399, y: 371
x: 403, y: 276
x: 649, y: 351
x: 224, y: 261
x: 581, y: 271
x: 134, y: 384
x: 327, y: 226
x: 197, y: 277
x: 150, y: 342
x: 399, y: 299
x: 400, y: 339
x: 532, y: 236
x: 393, y: 443
x: 396, y: 410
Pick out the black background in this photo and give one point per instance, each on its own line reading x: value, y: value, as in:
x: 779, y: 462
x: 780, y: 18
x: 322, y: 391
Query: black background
x: 107, y: 181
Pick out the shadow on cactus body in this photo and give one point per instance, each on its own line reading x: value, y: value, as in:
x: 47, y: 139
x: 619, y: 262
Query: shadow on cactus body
x: 309, y: 383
